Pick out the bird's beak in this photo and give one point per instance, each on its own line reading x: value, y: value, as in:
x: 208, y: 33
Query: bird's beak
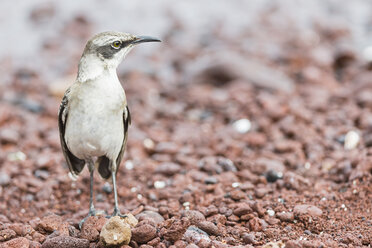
x: 142, y: 39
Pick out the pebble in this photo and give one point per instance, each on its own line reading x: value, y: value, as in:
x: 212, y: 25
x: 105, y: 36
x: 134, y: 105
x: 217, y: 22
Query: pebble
x: 17, y: 243
x: 173, y: 229
x: 242, y: 125
x: 65, y: 241
x: 115, y: 232
x: 143, y: 233
x: 256, y: 224
x: 352, y: 139
x: 7, y: 234
x: 21, y: 229
x: 248, y: 238
x: 159, y: 184
x: 150, y: 215
x: 194, y: 235
x: 209, y: 228
x: 4, y: 178
x: 168, y: 168
x: 91, y: 227
x: 242, y: 209
x: 285, y: 216
x: 193, y: 216
x: 270, y: 212
x: 50, y: 223
x: 307, y: 209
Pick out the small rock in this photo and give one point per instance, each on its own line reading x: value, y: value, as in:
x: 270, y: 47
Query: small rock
x: 50, y: 223
x: 143, y: 233
x: 293, y: 244
x: 242, y: 209
x: 285, y: 216
x: 4, y: 178
x: 21, y: 229
x: 242, y: 125
x: 260, y: 192
x: 34, y: 244
x: 307, y: 209
x: 166, y: 147
x: 115, y: 232
x: 211, y: 180
x: 173, y: 229
x: 248, y: 238
x: 256, y: 224
x: 352, y: 139
x: 64, y: 242
x: 194, y: 235
x: 7, y: 234
x: 38, y: 237
x: 209, y: 228
x: 193, y: 216
x: 17, y: 243
x: 150, y: 215
x: 237, y: 194
x: 168, y: 168
x: 131, y: 220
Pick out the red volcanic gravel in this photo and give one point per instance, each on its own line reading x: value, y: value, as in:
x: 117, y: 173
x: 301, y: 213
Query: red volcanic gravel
x: 241, y: 148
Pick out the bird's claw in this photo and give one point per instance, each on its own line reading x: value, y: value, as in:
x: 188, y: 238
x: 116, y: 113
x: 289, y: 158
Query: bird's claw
x: 92, y: 212
x: 117, y: 213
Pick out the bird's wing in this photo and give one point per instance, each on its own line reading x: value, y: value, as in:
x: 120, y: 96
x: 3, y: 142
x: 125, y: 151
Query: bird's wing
x: 75, y: 164
x: 127, y: 121
x: 103, y: 162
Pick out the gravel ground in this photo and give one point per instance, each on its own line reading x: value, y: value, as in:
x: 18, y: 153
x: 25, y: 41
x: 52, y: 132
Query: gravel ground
x: 261, y: 139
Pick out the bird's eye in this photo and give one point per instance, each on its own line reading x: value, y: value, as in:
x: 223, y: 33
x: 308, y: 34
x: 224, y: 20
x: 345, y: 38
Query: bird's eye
x: 116, y: 44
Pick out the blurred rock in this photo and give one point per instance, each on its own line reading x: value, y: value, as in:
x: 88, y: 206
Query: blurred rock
x: 65, y: 241
x: 150, y: 215
x: 307, y: 210
x: 17, y: 243
x: 194, y: 235
x: 223, y: 67
x: 168, y: 168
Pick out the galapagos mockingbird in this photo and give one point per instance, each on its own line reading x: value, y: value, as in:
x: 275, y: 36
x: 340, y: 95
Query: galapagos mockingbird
x: 94, y: 117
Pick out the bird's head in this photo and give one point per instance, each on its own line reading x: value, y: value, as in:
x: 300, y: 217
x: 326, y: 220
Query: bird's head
x: 106, y: 51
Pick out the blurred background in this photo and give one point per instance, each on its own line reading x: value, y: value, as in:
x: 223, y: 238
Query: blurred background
x: 242, y: 101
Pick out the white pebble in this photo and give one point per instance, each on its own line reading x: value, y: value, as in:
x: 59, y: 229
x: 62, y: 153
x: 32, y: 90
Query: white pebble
x: 148, y: 144
x: 270, y: 212
x: 242, y: 125
x: 235, y: 185
x: 115, y: 237
x: 133, y: 189
x: 129, y: 165
x: 139, y: 196
x: 351, y: 140
x: 17, y: 156
x: 159, y: 184
x: 307, y: 165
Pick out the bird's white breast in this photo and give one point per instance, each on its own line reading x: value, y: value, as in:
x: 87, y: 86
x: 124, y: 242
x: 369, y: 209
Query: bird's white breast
x: 95, y: 118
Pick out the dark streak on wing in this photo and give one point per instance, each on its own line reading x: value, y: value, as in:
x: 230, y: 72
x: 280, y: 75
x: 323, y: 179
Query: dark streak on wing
x: 75, y: 164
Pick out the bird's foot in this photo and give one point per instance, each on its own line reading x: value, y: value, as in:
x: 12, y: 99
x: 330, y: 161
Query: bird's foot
x: 92, y: 212
x: 117, y: 213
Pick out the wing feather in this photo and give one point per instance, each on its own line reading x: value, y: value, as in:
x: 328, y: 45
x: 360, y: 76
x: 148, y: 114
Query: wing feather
x: 75, y: 164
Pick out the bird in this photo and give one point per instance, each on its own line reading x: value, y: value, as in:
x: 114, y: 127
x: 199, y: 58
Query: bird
x: 93, y: 117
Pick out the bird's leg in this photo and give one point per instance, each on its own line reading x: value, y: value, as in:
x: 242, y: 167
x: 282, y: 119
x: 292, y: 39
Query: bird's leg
x: 92, y: 211
x: 116, y: 208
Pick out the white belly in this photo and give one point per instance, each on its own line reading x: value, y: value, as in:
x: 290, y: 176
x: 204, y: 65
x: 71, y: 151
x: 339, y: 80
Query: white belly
x: 95, y: 122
